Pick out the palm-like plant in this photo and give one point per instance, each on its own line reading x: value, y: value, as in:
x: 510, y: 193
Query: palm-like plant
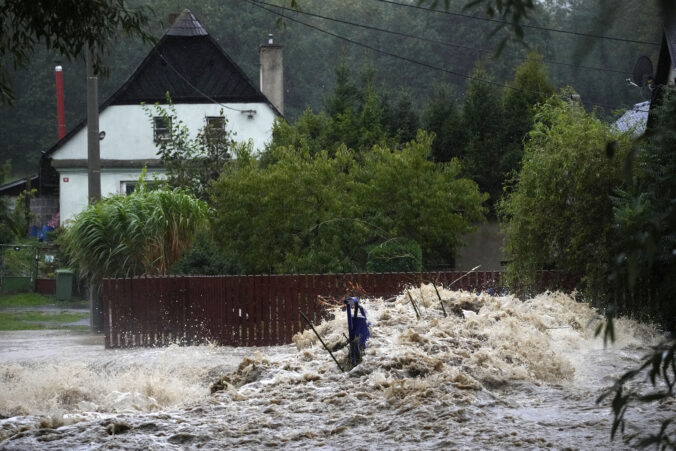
x: 143, y: 233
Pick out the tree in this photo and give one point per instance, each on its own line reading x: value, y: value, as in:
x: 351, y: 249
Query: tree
x: 6, y: 223
x: 645, y: 220
x: 192, y: 163
x: 67, y: 26
x: 531, y: 86
x: 407, y: 195
x: 559, y: 214
x: 291, y: 215
x: 316, y: 212
x: 402, y: 120
x: 484, y: 124
x: 443, y: 117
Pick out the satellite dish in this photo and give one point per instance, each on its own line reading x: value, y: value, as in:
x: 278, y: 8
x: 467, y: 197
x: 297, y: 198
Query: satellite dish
x: 643, y: 71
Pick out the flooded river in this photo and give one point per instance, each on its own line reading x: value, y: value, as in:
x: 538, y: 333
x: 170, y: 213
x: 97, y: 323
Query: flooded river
x: 496, y: 373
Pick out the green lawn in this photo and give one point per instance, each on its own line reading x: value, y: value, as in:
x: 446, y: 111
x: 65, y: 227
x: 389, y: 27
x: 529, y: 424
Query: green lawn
x: 35, y: 299
x: 32, y: 320
x: 25, y: 300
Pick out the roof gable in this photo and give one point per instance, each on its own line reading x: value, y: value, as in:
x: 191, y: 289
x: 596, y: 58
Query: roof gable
x: 189, y: 64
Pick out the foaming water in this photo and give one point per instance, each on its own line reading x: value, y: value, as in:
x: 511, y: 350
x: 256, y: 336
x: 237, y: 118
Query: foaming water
x: 496, y: 372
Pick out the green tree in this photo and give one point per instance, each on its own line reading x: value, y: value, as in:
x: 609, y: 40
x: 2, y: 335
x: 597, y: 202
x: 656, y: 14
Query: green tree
x: 192, y: 163
x: 645, y: 220
x: 291, y: 215
x: 402, y: 121
x: 484, y: 124
x: 306, y: 211
x: 443, y: 117
x: 531, y: 86
x: 559, y: 214
x: 407, y: 195
x: 67, y: 26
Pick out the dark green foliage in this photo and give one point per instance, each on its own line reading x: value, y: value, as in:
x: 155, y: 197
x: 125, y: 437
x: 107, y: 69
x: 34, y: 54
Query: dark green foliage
x: 6, y: 223
x: 395, y: 256
x: 402, y: 120
x: 645, y: 219
x: 443, y: 117
x: 660, y: 366
x: 559, y: 214
x: 531, y: 86
x: 484, y: 122
x: 66, y: 26
x: 346, y: 97
x: 313, y: 212
x: 205, y: 258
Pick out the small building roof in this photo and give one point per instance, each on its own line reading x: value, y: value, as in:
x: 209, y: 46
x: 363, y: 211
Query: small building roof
x: 634, y: 120
x: 15, y: 187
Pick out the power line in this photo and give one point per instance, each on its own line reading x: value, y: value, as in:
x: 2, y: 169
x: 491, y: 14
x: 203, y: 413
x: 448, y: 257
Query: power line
x: 534, y: 27
x: 433, y: 41
x: 203, y: 94
x: 403, y: 58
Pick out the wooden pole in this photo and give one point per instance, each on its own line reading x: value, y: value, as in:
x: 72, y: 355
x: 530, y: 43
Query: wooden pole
x: 320, y: 339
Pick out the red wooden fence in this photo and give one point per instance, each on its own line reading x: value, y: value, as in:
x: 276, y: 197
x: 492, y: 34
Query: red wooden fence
x: 254, y: 310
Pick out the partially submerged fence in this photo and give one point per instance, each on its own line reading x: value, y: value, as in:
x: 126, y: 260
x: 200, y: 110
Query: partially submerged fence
x: 254, y: 310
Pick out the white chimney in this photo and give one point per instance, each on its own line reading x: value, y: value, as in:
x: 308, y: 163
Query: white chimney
x: 272, y: 73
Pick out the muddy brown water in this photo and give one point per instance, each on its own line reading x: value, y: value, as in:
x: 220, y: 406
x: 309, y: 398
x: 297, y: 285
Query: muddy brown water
x: 512, y: 374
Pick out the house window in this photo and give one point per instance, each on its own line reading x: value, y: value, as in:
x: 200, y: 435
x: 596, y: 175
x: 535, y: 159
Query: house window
x: 216, y: 122
x: 215, y: 127
x: 129, y: 186
x: 162, y: 127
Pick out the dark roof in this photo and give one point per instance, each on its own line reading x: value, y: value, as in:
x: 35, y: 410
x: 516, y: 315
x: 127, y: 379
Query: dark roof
x: 189, y: 64
x: 15, y: 187
x: 634, y: 120
x: 186, y: 25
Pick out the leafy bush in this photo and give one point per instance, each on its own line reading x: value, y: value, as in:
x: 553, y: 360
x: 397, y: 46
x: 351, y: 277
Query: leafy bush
x: 313, y: 212
x: 559, y: 214
x: 205, y: 258
x: 645, y: 220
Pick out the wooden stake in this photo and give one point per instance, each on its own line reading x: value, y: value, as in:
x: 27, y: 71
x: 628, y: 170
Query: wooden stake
x: 440, y: 301
x: 417, y: 312
x: 320, y: 339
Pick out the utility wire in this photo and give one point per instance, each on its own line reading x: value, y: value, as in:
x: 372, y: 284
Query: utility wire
x: 433, y: 41
x: 403, y: 58
x: 535, y: 27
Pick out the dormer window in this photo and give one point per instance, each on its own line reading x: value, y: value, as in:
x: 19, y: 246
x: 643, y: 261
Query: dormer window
x: 162, y: 126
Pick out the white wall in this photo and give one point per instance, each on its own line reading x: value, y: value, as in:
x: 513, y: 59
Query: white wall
x: 74, y: 190
x: 129, y: 130
x: 130, y: 136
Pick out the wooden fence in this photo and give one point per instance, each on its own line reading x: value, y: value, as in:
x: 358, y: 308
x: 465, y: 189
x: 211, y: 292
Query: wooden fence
x: 254, y: 310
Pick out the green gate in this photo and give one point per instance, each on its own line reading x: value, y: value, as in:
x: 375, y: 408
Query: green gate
x: 18, y: 267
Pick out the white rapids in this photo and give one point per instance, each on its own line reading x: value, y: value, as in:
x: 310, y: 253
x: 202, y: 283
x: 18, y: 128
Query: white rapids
x: 496, y: 373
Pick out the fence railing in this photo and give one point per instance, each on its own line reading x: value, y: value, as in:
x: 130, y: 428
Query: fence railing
x: 255, y: 310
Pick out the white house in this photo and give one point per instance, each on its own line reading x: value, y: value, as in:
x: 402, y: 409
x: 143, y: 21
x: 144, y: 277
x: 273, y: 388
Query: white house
x: 205, y: 85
